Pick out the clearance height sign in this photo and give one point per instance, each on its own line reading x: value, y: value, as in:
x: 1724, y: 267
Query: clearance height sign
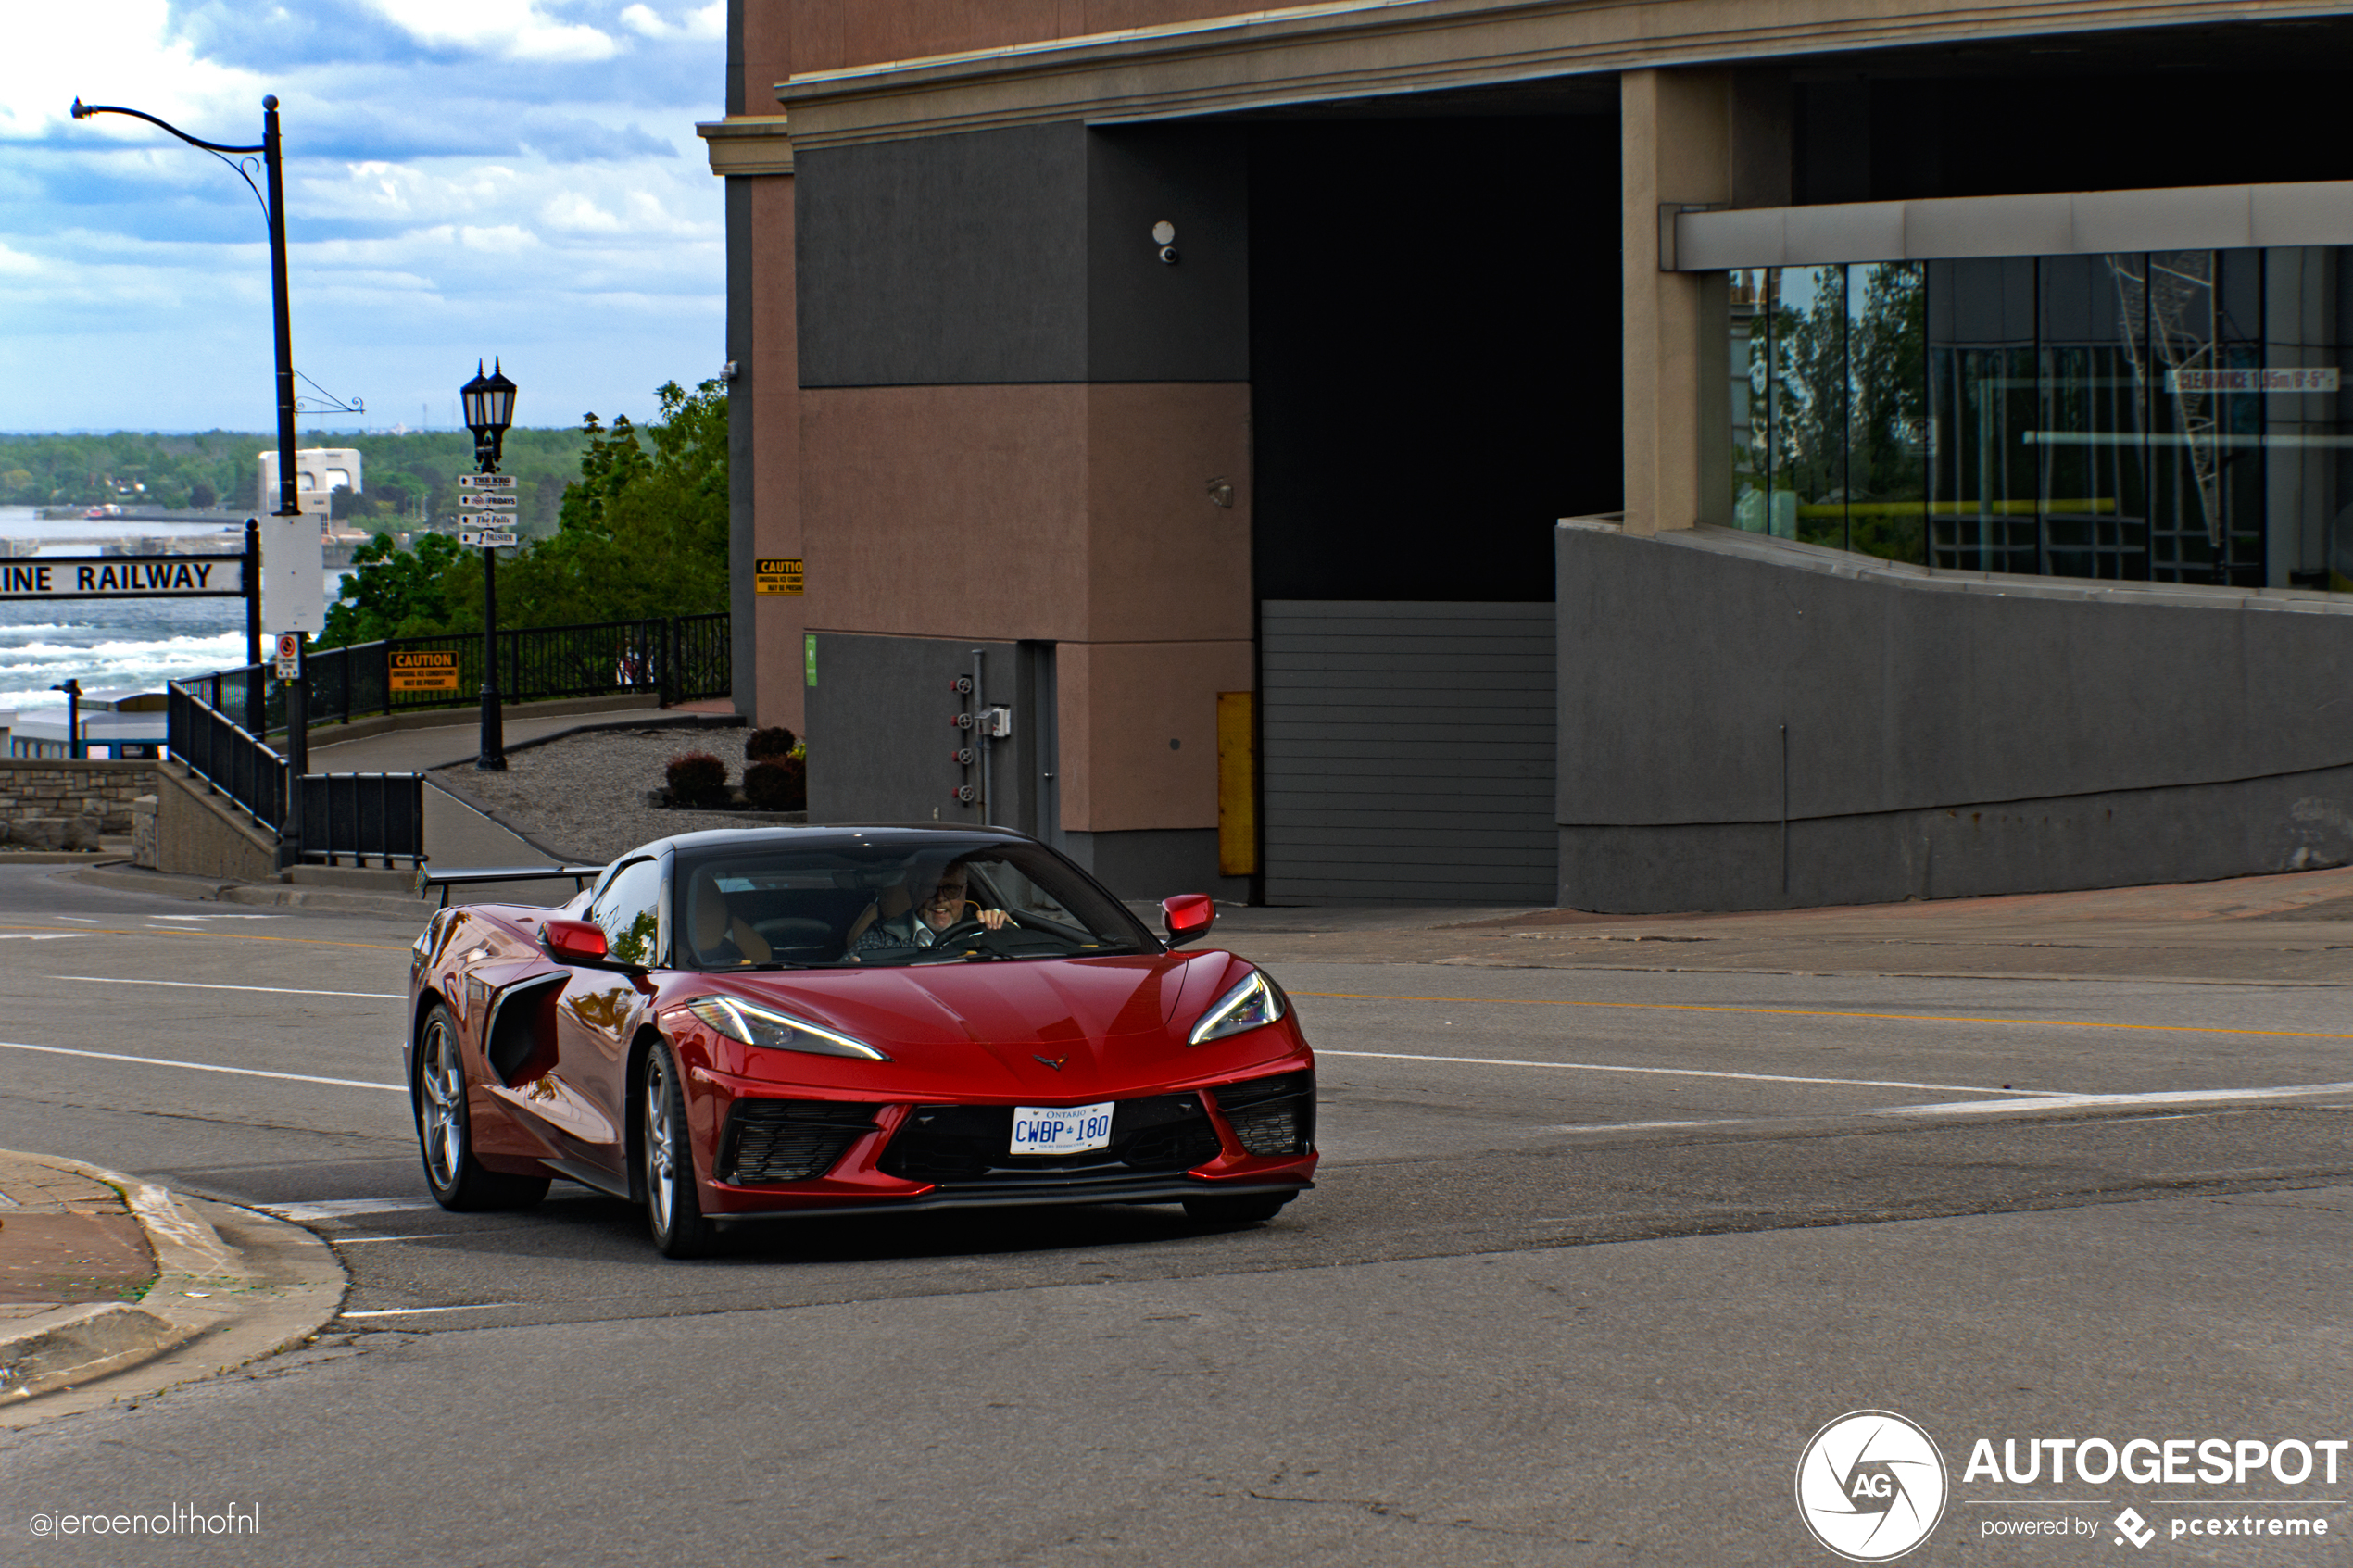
x: 123, y: 577
x: 423, y: 670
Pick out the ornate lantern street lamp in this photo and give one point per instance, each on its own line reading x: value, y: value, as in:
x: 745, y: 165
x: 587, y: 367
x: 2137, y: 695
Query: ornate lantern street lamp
x: 490, y: 409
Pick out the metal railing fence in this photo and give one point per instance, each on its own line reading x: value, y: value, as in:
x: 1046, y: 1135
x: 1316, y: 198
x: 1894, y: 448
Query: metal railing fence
x: 682, y: 658
x: 366, y: 816
x: 226, y: 755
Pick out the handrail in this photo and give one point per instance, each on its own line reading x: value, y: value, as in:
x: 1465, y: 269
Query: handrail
x: 677, y: 658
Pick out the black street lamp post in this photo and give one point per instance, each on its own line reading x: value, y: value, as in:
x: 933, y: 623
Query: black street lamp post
x: 273, y: 208
x: 72, y: 688
x: 490, y: 409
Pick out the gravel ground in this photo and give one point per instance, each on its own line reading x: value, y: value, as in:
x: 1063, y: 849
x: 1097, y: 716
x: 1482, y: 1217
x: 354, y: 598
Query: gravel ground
x: 585, y: 797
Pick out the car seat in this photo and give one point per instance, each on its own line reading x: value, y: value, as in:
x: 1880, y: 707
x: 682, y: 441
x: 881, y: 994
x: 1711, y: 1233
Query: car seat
x: 714, y: 923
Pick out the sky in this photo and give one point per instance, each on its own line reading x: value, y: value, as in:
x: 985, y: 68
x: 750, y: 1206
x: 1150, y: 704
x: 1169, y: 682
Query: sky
x: 465, y: 179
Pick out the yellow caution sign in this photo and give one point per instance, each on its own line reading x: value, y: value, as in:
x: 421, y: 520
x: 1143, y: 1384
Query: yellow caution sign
x: 425, y: 670
x: 776, y: 574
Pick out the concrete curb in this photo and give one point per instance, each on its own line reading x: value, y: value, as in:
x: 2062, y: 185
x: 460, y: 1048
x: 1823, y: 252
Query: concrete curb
x: 266, y: 894
x: 220, y: 1300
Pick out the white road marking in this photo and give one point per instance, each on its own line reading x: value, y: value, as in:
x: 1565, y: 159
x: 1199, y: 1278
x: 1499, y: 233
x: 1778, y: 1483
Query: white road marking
x: 337, y: 1208
x: 363, y: 1240
x: 2077, y: 1102
x: 44, y: 937
x: 420, y: 1311
x: 212, y: 985
x: 216, y: 917
x: 1691, y: 1072
x: 204, y: 1067
x: 1647, y: 1126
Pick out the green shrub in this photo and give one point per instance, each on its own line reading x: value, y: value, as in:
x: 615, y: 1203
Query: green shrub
x: 696, y: 778
x: 778, y: 784
x: 776, y: 741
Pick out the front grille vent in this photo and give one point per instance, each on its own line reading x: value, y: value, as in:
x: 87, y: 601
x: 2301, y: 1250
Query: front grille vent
x: 954, y: 1144
x: 1272, y: 1115
x: 789, y: 1140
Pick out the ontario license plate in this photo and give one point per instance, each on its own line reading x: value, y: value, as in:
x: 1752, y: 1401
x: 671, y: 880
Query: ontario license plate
x: 1072, y: 1129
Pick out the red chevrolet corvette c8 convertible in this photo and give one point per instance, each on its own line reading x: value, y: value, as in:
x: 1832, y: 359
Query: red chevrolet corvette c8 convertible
x: 749, y: 1024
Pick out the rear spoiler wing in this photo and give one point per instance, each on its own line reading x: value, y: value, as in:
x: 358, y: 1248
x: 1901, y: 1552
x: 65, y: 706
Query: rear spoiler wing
x: 429, y: 879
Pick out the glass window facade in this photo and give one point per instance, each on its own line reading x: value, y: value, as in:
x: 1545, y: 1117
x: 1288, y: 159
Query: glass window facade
x: 2164, y: 416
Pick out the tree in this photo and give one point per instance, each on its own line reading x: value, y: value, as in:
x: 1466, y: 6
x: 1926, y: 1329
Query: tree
x: 395, y: 593
x: 643, y: 533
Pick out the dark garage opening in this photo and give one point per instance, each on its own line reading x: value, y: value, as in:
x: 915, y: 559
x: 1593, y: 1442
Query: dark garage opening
x: 1434, y: 351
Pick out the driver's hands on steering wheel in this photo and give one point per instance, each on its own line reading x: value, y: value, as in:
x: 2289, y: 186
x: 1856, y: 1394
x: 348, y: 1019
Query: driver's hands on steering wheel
x: 992, y: 919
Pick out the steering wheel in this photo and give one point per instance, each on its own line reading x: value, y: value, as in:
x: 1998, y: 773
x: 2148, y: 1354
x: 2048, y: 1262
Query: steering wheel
x: 970, y: 927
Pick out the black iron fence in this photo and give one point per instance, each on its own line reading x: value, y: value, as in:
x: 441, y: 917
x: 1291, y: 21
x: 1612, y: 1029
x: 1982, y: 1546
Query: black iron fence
x: 682, y: 658
x: 225, y: 754
x: 365, y: 816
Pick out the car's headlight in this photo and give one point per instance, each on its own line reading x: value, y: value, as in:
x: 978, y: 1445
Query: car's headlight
x: 758, y: 1026
x: 1253, y: 1004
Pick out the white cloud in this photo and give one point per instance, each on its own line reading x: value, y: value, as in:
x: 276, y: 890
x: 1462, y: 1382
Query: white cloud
x: 514, y: 29
x: 504, y: 239
x: 576, y: 238
x: 707, y: 22
x: 117, y: 51
x: 571, y: 210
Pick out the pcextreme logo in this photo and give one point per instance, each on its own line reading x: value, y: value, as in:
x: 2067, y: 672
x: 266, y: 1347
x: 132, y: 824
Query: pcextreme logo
x: 1871, y: 1485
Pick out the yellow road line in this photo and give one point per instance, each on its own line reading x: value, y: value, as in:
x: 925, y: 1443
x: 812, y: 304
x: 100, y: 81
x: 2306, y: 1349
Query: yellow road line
x: 1825, y: 1012
x: 223, y: 935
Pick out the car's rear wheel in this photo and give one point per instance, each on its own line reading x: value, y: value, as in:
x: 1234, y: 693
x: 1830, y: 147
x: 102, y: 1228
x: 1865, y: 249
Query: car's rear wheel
x: 1250, y: 1211
x: 445, y: 1135
x: 674, y: 1207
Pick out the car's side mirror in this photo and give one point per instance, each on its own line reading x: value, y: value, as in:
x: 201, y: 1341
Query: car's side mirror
x: 576, y: 941
x: 1188, y: 916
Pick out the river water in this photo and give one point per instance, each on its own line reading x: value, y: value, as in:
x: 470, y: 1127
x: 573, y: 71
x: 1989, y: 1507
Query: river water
x: 138, y: 643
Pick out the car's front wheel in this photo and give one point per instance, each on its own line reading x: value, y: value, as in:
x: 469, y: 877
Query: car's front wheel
x: 445, y: 1137
x: 674, y: 1207
x: 1250, y: 1211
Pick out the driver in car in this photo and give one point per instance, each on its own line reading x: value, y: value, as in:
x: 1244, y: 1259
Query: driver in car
x: 921, y: 923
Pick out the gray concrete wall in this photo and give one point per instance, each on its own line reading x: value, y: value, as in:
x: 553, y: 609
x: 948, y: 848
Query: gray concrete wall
x: 1023, y: 257
x: 1946, y: 733
x: 1155, y: 862
x: 944, y: 259
x: 199, y: 833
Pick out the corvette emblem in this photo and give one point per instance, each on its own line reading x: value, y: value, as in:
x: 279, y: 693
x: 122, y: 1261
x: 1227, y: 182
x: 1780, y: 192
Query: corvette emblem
x: 1053, y: 1061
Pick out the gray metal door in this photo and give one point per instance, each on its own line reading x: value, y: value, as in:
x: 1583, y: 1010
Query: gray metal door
x: 1407, y: 751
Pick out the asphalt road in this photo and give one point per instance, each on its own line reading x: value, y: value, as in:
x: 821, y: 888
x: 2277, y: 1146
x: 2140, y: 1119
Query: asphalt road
x: 1594, y: 1252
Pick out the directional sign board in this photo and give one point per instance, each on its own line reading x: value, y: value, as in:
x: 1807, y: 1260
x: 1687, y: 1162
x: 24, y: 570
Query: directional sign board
x: 486, y: 537
x: 486, y: 481
x: 502, y: 500
x: 127, y: 577
x: 421, y: 670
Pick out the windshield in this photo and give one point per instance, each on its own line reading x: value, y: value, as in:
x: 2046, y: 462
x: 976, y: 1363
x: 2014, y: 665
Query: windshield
x: 939, y: 899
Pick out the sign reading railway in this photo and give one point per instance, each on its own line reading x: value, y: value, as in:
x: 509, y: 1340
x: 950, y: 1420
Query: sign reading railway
x: 127, y: 577
x: 421, y: 670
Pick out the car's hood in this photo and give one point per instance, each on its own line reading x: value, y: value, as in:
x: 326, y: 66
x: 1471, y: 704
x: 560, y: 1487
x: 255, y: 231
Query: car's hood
x: 1002, y: 1027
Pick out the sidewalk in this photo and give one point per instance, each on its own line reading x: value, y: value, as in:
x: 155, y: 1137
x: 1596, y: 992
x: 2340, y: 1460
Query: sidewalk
x: 2294, y: 928
x: 460, y: 832
x: 112, y: 1288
